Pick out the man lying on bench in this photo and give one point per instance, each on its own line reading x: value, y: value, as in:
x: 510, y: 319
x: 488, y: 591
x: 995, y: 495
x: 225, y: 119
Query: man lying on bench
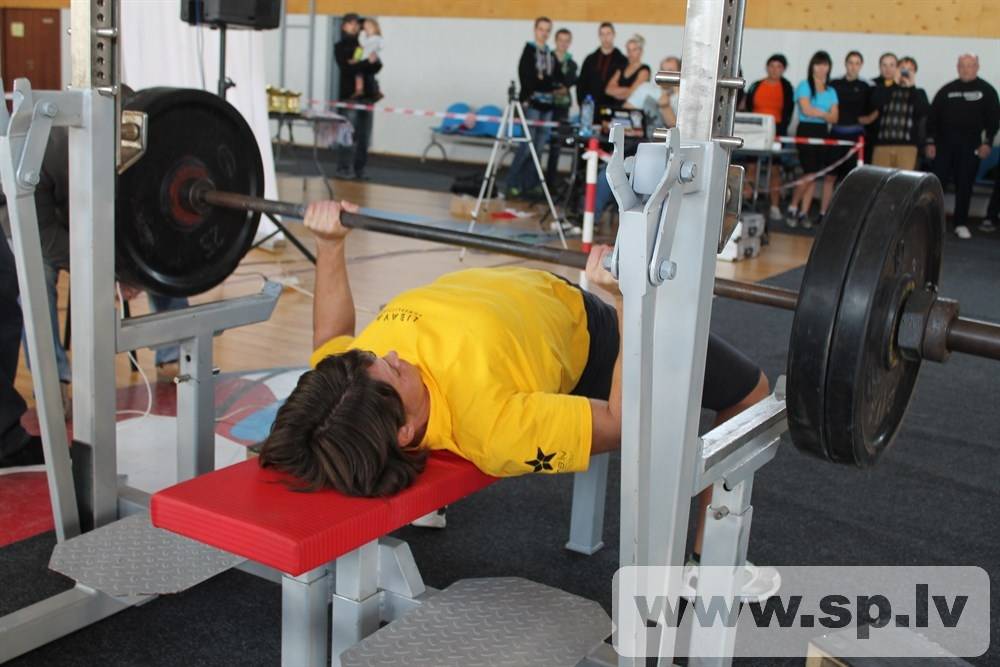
x: 516, y: 370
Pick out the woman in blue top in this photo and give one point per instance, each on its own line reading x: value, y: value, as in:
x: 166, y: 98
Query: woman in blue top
x: 817, y: 109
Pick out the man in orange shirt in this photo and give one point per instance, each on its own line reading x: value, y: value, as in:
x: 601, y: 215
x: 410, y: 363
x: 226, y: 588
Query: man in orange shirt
x: 774, y: 96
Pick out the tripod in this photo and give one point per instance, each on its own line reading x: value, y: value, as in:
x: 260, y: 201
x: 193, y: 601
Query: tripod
x: 505, y: 136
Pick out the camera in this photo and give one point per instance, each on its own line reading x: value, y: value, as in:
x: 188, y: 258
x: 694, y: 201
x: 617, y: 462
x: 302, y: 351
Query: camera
x: 905, y: 72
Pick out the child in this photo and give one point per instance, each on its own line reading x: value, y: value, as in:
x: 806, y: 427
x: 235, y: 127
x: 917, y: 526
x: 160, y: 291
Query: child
x: 370, y: 43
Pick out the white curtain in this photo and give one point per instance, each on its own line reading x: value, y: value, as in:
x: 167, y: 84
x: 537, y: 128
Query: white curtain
x: 158, y: 49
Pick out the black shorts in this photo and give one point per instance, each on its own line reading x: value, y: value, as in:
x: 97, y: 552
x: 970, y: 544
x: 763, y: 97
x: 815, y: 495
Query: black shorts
x: 729, y: 374
x: 814, y: 158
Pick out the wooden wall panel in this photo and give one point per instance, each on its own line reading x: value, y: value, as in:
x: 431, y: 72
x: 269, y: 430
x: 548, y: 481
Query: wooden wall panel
x: 966, y: 18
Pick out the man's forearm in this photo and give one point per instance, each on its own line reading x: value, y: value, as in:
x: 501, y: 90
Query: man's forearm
x: 333, y: 303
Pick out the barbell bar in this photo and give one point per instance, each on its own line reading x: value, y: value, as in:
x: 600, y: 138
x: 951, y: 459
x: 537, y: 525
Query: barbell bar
x: 963, y: 335
x: 867, y: 312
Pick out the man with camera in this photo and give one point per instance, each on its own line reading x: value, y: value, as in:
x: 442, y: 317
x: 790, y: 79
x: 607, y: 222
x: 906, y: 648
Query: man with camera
x: 901, y: 115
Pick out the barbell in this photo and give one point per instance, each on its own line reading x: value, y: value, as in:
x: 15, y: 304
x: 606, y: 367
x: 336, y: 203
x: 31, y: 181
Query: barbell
x: 866, y: 316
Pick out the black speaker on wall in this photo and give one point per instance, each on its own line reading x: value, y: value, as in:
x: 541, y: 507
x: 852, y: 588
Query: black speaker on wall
x: 255, y: 14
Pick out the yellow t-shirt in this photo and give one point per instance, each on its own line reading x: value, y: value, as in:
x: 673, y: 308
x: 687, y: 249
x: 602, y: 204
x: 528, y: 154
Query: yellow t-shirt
x: 498, y: 350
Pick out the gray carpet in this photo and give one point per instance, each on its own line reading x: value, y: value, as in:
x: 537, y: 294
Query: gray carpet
x: 932, y: 500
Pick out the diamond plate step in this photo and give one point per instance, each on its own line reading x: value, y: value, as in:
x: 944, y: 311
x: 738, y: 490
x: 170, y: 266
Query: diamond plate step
x: 500, y: 622
x: 131, y: 557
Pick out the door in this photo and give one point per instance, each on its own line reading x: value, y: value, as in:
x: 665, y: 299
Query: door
x: 31, y: 44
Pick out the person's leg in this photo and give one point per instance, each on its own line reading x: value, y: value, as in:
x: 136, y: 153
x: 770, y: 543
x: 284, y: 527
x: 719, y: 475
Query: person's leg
x: 829, y: 182
x: 12, y: 436
x: 965, y: 177
x: 993, y: 209
x: 775, y: 183
x: 555, y: 147
x: 159, y: 303
x: 733, y: 383
x: 344, y: 153
x: 602, y: 192
x: 522, y: 169
x: 362, y: 139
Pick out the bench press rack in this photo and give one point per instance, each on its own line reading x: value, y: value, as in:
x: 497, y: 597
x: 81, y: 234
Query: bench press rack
x: 85, y: 492
x: 673, y: 209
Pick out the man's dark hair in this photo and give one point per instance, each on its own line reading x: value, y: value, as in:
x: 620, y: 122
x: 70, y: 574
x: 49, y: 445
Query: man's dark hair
x: 563, y: 31
x: 887, y: 54
x: 910, y: 59
x: 606, y: 24
x: 854, y: 53
x: 339, y: 429
x: 778, y: 57
x: 350, y: 17
x: 542, y: 19
x: 818, y: 58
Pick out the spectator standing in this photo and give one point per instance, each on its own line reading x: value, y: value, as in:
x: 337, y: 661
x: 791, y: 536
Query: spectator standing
x: 598, y: 68
x: 540, y: 77
x: 817, y: 106
x: 667, y: 104
x: 628, y: 78
x: 989, y: 223
x: 888, y: 71
x: 344, y: 52
x: 563, y: 98
x: 853, y: 101
x: 960, y: 131
x: 901, y: 119
x: 772, y: 95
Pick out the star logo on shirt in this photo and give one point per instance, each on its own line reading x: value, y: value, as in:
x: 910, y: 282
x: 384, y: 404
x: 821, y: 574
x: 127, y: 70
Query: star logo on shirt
x: 541, y: 461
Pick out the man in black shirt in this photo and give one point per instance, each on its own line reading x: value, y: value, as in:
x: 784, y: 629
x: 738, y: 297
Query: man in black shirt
x: 852, y: 95
x: 540, y: 76
x: 344, y: 53
x: 961, y: 127
x: 598, y: 68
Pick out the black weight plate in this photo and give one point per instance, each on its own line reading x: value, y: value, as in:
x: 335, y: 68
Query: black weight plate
x: 819, y: 299
x: 161, y: 244
x: 869, y: 383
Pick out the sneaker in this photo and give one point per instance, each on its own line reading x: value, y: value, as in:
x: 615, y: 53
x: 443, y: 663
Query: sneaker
x: 962, y: 232
x: 568, y: 228
x: 30, y: 454
x: 792, y: 217
x: 436, y: 519
x: 774, y: 214
x: 805, y: 221
x: 987, y: 226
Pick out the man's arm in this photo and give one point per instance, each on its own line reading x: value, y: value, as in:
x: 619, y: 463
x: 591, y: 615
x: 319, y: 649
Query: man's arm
x: 333, y: 303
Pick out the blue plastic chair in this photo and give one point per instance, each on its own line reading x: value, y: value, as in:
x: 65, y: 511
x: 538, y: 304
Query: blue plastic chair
x: 453, y: 125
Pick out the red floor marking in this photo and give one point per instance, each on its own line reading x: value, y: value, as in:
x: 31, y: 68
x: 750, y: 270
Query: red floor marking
x: 24, y: 497
x: 24, y: 506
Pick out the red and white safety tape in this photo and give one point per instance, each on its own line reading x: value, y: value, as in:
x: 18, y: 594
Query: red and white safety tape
x: 813, y: 141
x: 382, y: 108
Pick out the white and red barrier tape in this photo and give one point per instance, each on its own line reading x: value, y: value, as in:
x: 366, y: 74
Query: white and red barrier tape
x: 359, y: 106
x: 813, y: 141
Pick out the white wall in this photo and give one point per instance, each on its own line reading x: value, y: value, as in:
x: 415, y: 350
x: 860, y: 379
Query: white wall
x: 432, y: 62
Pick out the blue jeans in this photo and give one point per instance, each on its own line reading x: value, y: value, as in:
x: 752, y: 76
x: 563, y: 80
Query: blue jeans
x: 522, y: 174
x: 157, y: 303
x: 603, y: 197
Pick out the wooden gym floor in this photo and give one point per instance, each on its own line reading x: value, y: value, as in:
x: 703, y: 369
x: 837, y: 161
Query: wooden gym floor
x: 379, y: 267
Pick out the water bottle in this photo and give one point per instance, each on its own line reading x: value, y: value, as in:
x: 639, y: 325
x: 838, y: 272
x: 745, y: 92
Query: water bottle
x: 587, y: 117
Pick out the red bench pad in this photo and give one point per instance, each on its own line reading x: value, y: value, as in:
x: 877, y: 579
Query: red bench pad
x: 249, y: 511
